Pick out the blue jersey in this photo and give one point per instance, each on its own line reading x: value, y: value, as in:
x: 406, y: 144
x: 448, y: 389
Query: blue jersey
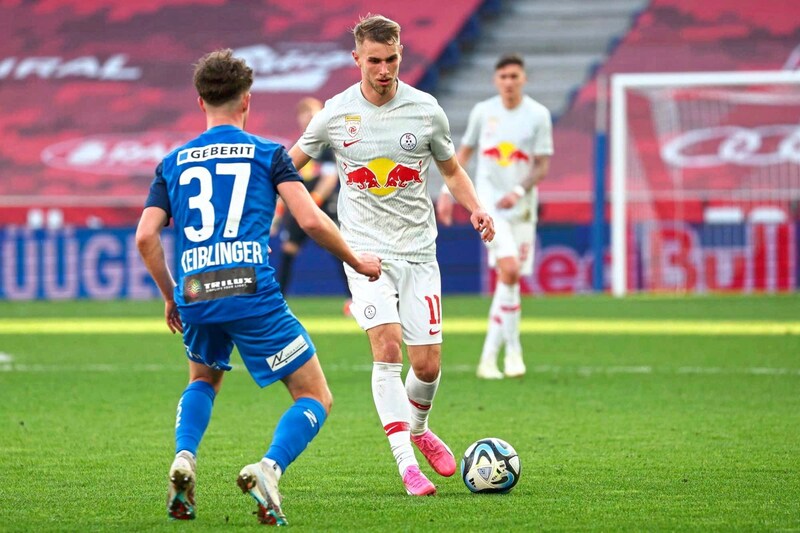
x: 220, y: 189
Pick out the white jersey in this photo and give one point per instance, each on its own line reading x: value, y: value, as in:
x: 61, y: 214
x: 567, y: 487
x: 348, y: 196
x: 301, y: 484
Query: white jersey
x: 506, y: 141
x: 382, y: 156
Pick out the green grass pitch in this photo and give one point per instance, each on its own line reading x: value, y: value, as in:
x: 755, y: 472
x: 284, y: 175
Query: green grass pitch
x: 642, y: 414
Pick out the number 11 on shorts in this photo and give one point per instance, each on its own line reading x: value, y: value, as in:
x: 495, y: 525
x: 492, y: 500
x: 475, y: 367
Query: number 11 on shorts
x: 435, y: 308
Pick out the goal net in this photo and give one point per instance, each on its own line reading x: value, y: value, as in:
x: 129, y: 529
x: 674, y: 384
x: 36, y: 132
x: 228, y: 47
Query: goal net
x: 705, y: 181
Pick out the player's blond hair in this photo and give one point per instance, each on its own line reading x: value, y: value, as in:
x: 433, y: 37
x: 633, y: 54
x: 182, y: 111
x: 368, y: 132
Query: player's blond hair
x: 378, y: 29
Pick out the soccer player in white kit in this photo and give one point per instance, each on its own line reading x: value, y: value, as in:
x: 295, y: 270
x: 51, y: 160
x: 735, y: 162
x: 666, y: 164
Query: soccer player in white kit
x: 513, y: 136
x: 384, y: 134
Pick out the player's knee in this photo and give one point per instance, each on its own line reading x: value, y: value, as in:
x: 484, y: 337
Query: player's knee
x: 509, y: 276
x: 387, y: 350
x: 427, y: 371
x: 388, y: 353
x: 508, y: 270
x: 325, y: 397
x: 215, y: 382
x: 328, y: 403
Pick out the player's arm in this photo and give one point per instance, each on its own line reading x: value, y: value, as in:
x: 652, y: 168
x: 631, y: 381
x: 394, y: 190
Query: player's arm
x: 321, y: 228
x: 299, y: 157
x: 280, y: 209
x: 299, y: 160
x: 328, y: 179
x: 542, y: 149
x: 148, y: 241
x: 460, y: 186
x: 314, y: 140
x: 539, y: 169
x: 465, y: 154
x: 541, y: 166
x: 444, y: 203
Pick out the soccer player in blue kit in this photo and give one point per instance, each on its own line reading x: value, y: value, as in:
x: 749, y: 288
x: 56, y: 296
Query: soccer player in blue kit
x: 220, y: 189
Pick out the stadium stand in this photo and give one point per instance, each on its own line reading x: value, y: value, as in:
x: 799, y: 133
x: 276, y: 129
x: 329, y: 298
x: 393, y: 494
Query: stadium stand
x: 101, y: 92
x: 670, y: 36
x: 561, y: 41
x: 563, y: 44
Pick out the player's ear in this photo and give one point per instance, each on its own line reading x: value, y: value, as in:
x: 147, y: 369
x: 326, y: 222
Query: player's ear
x: 246, y: 103
x: 355, y: 58
x: 201, y: 103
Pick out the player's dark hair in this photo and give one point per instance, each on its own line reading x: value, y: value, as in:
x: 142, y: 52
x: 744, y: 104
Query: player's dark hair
x: 220, y: 78
x: 378, y: 29
x: 509, y: 59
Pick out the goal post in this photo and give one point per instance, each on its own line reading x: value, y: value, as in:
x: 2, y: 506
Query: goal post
x: 701, y: 151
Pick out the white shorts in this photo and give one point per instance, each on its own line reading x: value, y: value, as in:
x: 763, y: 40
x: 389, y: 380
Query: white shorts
x: 513, y: 239
x: 409, y: 294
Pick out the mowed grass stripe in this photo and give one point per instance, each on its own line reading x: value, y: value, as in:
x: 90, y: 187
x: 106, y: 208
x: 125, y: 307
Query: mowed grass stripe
x: 347, y: 326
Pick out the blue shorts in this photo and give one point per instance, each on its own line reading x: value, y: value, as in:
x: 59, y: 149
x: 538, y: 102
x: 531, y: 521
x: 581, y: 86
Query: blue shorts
x: 272, y: 345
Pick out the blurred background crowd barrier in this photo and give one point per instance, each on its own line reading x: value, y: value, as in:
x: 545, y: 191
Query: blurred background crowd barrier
x: 96, y: 92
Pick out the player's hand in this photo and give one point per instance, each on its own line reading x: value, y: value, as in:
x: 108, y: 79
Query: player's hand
x: 369, y: 265
x: 508, y: 201
x: 483, y: 224
x: 275, y: 226
x: 173, y: 317
x: 444, y: 209
x: 280, y: 209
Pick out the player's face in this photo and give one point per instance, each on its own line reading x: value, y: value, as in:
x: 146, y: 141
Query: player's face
x: 379, y: 64
x: 245, y: 109
x: 304, y: 117
x: 509, y: 81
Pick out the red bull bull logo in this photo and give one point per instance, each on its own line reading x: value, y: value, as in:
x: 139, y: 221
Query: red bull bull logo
x: 383, y: 176
x: 518, y: 155
x: 401, y: 175
x: 363, y: 178
x: 492, y: 153
x: 506, y: 153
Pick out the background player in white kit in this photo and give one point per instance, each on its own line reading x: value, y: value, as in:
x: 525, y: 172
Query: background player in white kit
x: 384, y: 134
x: 513, y: 135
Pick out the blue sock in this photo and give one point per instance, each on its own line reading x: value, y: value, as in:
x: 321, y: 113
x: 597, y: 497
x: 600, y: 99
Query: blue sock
x: 194, y: 412
x: 297, y: 427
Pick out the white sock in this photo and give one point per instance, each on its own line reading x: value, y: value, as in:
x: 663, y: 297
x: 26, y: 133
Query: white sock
x: 274, y: 466
x: 186, y: 453
x: 510, y: 311
x: 189, y: 456
x: 420, y: 396
x: 494, y: 332
x: 394, y: 411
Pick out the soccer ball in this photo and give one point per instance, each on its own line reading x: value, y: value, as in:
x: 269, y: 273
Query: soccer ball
x: 490, y: 465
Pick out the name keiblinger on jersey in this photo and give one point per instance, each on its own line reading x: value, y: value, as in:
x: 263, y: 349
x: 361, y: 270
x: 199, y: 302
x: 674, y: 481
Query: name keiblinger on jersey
x: 222, y: 254
x: 216, y: 151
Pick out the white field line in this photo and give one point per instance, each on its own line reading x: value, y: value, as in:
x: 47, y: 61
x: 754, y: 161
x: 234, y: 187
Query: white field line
x: 584, y: 371
x: 347, y: 326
